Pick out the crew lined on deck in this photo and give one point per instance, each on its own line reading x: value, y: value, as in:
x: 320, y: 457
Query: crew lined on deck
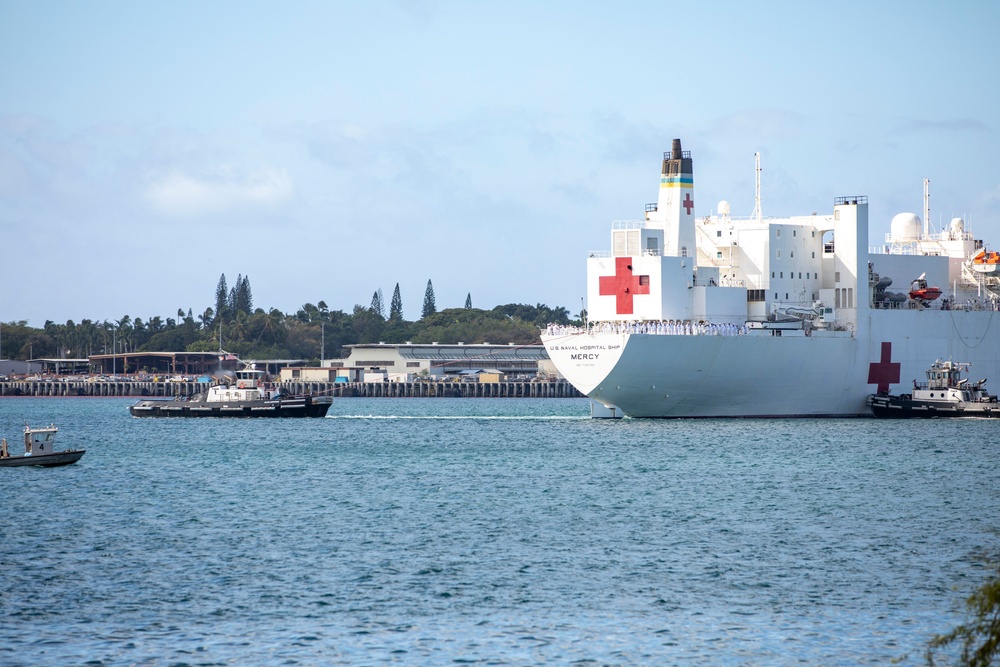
x: 661, y: 327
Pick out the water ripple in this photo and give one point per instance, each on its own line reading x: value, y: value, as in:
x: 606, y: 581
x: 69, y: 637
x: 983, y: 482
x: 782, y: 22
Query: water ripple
x: 487, y: 532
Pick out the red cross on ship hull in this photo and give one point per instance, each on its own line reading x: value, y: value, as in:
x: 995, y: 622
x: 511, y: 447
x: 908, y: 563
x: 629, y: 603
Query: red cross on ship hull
x: 624, y: 285
x: 884, y: 372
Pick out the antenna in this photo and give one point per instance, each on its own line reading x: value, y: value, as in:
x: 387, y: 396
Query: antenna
x: 756, y: 207
x: 927, y: 206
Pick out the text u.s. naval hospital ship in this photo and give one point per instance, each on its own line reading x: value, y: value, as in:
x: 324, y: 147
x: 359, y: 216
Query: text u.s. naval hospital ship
x: 766, y: 317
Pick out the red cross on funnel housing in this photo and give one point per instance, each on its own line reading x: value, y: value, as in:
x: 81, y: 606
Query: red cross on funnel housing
x: 884, y: 372
x: 623, y: 285
x: 688, y: 203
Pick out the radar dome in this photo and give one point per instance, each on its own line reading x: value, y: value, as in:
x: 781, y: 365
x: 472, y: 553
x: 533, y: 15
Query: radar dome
x: 723, y: 207
x: 905, y: 227
x: 957, y: 225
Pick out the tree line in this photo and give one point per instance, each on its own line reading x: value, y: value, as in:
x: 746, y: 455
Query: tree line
x: 312, y: 332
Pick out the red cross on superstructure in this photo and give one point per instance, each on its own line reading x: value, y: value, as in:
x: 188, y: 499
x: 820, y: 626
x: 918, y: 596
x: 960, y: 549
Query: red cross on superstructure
x: 885, y: 372
x: 623, y: 285
x: 688, y: 203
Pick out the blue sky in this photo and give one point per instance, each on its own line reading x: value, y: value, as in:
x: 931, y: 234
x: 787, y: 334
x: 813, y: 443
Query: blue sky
x: 330, y: 149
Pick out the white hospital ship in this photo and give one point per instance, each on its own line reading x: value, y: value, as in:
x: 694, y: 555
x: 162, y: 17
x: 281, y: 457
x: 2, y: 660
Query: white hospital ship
x: 720, y: 316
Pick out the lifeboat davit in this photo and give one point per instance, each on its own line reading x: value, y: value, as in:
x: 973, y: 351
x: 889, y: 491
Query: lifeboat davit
x: 986, y: 261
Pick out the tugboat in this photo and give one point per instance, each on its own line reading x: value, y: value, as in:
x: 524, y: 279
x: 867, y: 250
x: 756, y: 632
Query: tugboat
x: 38, y: 450
x: 243, y: 397
x: 945, y: 394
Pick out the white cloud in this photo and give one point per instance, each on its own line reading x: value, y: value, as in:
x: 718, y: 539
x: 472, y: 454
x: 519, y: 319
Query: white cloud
x: 178, y: 194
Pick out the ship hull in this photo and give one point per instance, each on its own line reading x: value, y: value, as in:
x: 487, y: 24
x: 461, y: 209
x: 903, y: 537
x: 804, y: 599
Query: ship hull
x: 43, y: 460
x: 285, y: 408
x: 826, y: 374
x: 904, y: 407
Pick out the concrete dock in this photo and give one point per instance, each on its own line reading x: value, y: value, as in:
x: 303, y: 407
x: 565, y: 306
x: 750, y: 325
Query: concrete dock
x: 422, y: 389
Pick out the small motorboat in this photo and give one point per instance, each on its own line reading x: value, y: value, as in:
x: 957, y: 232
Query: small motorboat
x: 919, y: 291
x: 38, y: 451
x: 945, y: 394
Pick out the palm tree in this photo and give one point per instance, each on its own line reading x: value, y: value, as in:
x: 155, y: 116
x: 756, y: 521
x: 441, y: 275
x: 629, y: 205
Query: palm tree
x: 124, y: 333
x: 560, y: 315
x: 239, y: 329
x: 273, y: 324
x: 140, y: 334
x: 307, y: 313
x: 206, y: 318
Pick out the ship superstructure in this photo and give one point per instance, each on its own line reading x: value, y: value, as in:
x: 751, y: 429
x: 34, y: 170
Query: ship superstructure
x: 722, y: 316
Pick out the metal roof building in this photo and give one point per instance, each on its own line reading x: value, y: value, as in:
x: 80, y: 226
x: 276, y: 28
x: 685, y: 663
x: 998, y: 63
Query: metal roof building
x: 439, y: 360
x: 174, y: 363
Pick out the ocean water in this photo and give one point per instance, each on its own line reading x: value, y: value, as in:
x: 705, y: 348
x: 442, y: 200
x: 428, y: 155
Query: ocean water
x: 489, y: 531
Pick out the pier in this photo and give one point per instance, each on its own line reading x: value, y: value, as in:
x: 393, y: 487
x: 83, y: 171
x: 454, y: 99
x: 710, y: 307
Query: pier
x: 421, y: 389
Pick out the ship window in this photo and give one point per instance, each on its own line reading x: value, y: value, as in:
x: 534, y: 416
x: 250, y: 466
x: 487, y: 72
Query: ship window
x: 794, y: 233
x: 643, y: 280
x: 718, y: 234
x: 791, y: 253
x: 781, y: 275
x: 684, y: 251
x: 779, y: 253
x: 718, y: 255
x: 836, y: 277
x: 778, y: 232
x: 772, y: 274
x: 814, y: 233
x: 775, y: 295
x: 814, y: 254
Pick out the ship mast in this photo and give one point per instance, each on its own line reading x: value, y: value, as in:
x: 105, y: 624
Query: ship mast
x: 927, y: 207
x: 756, y: 206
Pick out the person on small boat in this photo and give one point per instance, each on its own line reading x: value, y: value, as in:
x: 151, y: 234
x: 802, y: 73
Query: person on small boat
x: 4, y: 454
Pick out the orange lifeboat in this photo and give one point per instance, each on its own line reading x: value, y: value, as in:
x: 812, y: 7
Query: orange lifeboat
x: 919, y: 291
x: 986, y: 261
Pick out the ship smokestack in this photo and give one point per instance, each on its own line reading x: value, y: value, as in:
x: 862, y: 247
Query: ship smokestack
x: 675, y: 204
x: 674, y: 154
